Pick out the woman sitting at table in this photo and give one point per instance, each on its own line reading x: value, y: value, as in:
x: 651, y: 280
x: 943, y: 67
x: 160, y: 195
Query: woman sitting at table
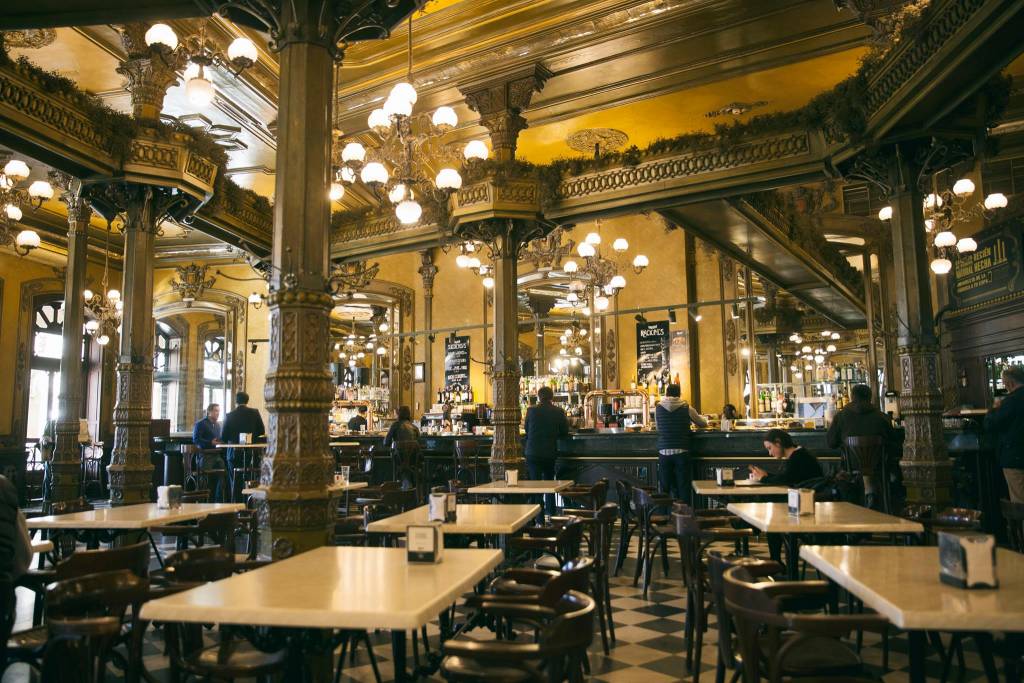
x: 799, y: 467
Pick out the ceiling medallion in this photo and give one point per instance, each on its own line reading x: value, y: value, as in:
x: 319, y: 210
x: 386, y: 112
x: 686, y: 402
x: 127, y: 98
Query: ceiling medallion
x: 735, y: 109
x: 33, y: 38
x: 597, y: 140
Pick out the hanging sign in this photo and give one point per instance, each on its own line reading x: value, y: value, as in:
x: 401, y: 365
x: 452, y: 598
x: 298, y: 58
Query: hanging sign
x: 993, y: 270
x: 679, y: 354
x: 456, y: 361
x: 652, y: 352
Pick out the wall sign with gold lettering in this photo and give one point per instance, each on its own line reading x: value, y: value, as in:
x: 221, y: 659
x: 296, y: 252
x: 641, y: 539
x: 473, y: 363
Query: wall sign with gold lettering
x: 993, y: 270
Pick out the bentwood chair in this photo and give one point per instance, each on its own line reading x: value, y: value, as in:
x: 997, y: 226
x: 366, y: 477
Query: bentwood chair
x: 776, y: 642
x: 1013, y: 513
x: 559, y: 652
x: 627, y: 521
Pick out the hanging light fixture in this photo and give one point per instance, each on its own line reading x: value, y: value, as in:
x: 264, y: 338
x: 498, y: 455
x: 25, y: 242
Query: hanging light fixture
x: 409, y: 145
x: 103, y: 308
x: 12, y: 198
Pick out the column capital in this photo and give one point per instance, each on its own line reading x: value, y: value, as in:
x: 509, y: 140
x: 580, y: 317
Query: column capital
x: 149, y: 74
x: 500, y: 103
x: 427, y: 271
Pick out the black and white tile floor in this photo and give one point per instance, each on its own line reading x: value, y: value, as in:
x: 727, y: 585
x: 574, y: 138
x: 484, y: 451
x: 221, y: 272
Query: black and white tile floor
x: 649, y: 645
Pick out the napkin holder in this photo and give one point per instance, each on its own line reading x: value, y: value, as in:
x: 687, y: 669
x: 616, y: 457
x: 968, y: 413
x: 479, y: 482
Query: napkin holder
x: 245, y: 438
x: 801, y: 501
x: 451, y: 508
x: 437, y: 510
x: 168, y: 497
x: 424, y: 543
x: 724, y: 476
x: 967, y: 559
x: 512, y: 477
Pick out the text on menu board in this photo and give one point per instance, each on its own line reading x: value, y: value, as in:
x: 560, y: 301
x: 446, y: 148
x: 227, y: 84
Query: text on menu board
x: 652, y: 352
x: 456, y: 361
x: 992, y: 270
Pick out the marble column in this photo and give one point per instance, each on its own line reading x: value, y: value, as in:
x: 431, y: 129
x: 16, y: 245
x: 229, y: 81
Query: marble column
x: 130, y: 468
x: 428, y: 271
x: 297, y: 467
x: 926, y: 465
x: 66, y: 466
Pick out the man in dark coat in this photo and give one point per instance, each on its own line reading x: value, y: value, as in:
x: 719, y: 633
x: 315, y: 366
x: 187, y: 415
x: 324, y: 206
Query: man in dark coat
x: 15, y: 545
x: 241, y: 420
x: 1005, y: 422
x: 545, y: 424
x: 862, y: 418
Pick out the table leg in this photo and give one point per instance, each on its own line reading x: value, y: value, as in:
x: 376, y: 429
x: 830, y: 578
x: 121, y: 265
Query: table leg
x: 916, y: 642
x: 398, y: 656
x: 793, y: 557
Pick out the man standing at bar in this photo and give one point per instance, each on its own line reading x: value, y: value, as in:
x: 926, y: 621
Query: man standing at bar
x: 673, y: 417
x: 545, y: 424
x: 1005, y: 422
x: 862, y: 418
x: 206, y: 436
x: 241, y: 420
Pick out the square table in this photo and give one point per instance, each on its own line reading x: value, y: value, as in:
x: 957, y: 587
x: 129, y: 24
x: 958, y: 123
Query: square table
x: 470, y: 519
x: 828, y: 518
x: 742, y: 488
x: 525, y: 487
x: 335, y: 588
x: 126, y: 518
x: 902, y: 584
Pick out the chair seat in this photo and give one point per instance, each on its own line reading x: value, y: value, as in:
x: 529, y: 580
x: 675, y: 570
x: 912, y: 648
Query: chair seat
x: 235, y: 658
x: 820, y: 656
x: 465, y: 669
x: 29, y: 640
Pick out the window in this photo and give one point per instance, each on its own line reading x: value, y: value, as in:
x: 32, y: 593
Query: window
x: 166, y: 374
x: 1005, y: 175
x: 863, y: 199
x: 44, y: 367
x: 214, y: 356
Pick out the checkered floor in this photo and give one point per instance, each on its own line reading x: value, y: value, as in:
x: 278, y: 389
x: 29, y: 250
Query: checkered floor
x: 649, y: 640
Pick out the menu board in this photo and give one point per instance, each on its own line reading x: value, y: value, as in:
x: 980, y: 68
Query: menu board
x: 456, y: 361
x: 679, y: 354
x: 652, y: 352
x: 991, y: 271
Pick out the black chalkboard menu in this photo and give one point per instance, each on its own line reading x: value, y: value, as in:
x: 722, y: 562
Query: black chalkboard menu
x: 652, y: 352
x: 993, y: 270
x: 456, y: 361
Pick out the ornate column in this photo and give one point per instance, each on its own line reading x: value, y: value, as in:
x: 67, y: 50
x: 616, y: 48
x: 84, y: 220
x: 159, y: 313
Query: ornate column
x: 67, y: 456
x: 505, y: 216
x: 692, y: 328
x: 925, y: 464
x: 540, y: 307
x: 869, y: 302
x: 297, y: 466
x: 428, y: 271
x: 748, y: 291
x: 130, y: 469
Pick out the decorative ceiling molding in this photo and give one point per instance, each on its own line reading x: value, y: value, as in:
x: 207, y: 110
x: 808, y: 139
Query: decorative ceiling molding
x: 30, y: 38
x: 736, y: 109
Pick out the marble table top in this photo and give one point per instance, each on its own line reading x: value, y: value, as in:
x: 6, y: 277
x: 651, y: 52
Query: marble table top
x: 42, y: 546
x: 842, y: 518
x: 333, y: 587
x: 709, y: 487
x: 242, y: 445
x: 261, y: 491
x: 471, y: 519
x: 524, y: 487
x: 344, y: 444
x: 131, y: 516
x: 902, y: 584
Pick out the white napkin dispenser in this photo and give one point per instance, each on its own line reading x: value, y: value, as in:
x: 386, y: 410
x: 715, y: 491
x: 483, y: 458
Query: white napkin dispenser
x: 438, y: 507
x: 724, y: 476
x: 168, y: 497
x: 967, y: 559
x: 424, y: 543
x: 801, y: 501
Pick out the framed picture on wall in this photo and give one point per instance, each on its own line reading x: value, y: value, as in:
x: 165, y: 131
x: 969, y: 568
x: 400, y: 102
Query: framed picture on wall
x: 418, y: 372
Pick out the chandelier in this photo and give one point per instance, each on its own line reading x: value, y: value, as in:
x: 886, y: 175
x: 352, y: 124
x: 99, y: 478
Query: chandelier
x: 191, y: 283
x: 13, y: 197
x: 355, y: 347
x: 812, y: 356
x: 410, y: 146
x: 194, y: 51
x: 103, y: 309
x: 945, y: 208
x: 468, y: 258
x: 600, y: 272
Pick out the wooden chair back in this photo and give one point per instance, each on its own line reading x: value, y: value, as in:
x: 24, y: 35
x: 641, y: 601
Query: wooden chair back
x: 133, y: 558
x: 104, y: 594
x: 1013, y: 513
x: 76, y: 648
x: 199, y: 565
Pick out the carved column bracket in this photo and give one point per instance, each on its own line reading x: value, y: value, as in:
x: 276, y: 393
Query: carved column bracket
x: 149, y: 75
x: 500, y: 103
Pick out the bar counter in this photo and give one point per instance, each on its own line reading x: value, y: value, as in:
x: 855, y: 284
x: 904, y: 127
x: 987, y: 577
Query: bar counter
x: 586, y: 457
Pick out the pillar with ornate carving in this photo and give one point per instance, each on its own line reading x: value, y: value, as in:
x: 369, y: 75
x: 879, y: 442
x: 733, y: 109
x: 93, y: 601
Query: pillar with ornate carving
x: 925, y: 463
x: 297, y: 467
x: 130, y: 469
x: 66, y: 466
x: 149, y: 75
x: 428, y: 271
